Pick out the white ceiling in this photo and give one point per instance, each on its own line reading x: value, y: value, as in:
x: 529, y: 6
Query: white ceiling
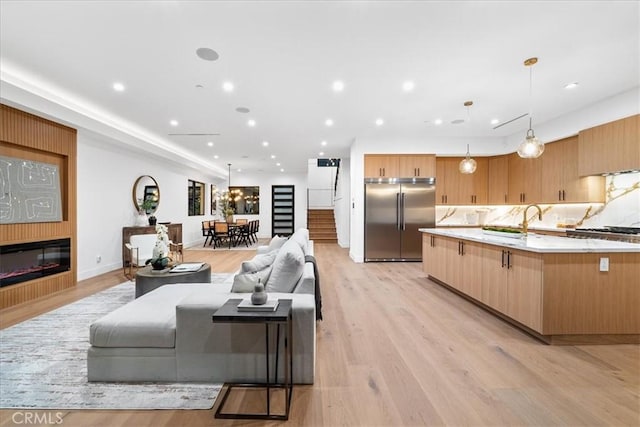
x: 284, y: 56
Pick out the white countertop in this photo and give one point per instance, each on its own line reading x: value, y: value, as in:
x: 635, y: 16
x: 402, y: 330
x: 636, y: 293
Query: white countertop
x: 537, y: 242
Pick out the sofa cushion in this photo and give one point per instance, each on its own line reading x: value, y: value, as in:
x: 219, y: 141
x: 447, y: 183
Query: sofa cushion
x: 149, y: 321
x: 274, y: 245
x: 287, y: 268
x: 246, y: 282
x: 301, y: 236
x: 258, y: 262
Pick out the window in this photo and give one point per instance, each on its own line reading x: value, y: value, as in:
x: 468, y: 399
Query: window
x: 196, y: 198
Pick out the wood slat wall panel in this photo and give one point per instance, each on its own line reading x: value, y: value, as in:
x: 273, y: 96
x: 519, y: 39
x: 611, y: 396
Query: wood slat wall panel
x: 25, y: 136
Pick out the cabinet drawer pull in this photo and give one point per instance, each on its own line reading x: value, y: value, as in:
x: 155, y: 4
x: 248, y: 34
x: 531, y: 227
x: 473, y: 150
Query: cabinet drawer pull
x: 559, y: 195
x: 502, y: 259
x: 509, y: 260
x: 563, y: 196
x: 418, y: 172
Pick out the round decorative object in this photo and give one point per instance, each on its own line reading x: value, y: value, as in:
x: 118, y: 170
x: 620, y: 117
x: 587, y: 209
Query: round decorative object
x: 153, y: 220
x: 259, y: 295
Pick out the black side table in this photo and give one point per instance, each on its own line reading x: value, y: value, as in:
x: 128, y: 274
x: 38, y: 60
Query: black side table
x: 283, y: 315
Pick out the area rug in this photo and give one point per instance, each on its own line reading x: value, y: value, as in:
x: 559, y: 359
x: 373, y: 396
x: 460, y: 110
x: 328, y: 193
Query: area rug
x: 43, y: 363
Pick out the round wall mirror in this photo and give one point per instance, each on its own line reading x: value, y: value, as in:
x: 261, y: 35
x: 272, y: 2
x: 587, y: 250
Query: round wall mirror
x: 146, y: 194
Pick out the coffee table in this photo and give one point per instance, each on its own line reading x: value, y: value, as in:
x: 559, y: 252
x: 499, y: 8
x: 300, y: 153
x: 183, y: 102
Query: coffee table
x: 146, y: 280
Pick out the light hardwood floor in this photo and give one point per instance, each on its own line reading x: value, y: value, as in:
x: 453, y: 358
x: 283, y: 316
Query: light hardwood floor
x: 396, y: 349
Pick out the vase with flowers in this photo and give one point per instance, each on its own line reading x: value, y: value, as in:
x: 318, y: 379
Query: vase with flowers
x: 160, y: 259
x: 228, y: 201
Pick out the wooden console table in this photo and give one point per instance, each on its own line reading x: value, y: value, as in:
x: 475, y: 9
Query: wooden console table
x: 175, y: 235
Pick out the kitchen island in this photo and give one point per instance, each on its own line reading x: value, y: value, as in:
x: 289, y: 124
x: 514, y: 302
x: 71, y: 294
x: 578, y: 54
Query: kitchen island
x: 559, y: 289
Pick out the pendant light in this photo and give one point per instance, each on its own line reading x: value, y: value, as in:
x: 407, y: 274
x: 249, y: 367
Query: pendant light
x: 531, y: 147
x: 467, y: 165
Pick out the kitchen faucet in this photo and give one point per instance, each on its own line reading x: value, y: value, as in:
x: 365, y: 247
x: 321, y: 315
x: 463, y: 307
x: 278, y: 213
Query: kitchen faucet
x: 525, y: 223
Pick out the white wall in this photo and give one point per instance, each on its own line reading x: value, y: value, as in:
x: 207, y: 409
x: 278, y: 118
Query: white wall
x: 265, y: 181
x: 106, y: 174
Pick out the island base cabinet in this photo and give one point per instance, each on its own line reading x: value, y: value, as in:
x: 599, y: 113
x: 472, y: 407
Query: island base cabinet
x: 581, y: 299
x: 560, y: 298
x: 512, y: 284
x: 455, y: 262
x: 524, y: 288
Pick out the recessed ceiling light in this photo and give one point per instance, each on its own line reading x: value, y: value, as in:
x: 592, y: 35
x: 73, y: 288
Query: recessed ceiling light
x: 328, y: 122
x: 495, y: 121
x: 207, y: 54
x: 210, y: 144
x: 265, y: 143
x: 242, y: 110
x: 408, y: 86
x: 273, y: 156
x: 379, y: 122
x: 238, y: 170
x: 251, y: 123
x: 227, y: 86
x: 571, y: 85
x: 118, y: 87
x: 338, y: 86
x: 437, y: 121
x: 457, y: 121
x: 216, y: 157
x: 321, y: 153
x: 173, y: 123
x: 281, y: 170
x: 278, y: 164
x: 323, y: 143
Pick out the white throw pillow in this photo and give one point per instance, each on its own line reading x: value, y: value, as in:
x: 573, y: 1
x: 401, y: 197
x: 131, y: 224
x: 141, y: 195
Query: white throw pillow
x: 287, y: 268
x: 276, y: 243
x: 246, y: 282
x: 301, y: 236
x: 258, y: 262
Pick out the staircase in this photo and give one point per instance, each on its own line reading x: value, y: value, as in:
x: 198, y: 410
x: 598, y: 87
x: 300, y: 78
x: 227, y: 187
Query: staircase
x: 322, y: 225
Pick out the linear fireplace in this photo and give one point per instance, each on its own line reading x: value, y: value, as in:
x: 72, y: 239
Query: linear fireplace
x: 27, y: 261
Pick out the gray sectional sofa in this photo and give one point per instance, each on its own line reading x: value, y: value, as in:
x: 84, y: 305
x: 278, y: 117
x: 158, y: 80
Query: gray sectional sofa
x: 168, y: 334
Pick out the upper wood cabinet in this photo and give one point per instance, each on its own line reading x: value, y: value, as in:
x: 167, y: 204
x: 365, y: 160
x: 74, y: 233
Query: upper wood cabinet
x: 455, y: 188
x: 498, y: 180
x: 399, y: 165
x: 525, y: 180
x: 417, y: 165
x: 381, y: 166
x: 611, y: 147
x: 560, y: 179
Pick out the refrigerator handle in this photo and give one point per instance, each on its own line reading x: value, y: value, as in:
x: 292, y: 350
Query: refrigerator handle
x: 398, y: 211
x: 402, y: 210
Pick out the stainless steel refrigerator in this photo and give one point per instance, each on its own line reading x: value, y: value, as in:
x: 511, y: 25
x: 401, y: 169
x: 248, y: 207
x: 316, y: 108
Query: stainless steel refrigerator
x: 394, y: 211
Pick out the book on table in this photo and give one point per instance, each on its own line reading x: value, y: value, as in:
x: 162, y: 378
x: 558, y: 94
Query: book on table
x: 187, y: 267
x: 246, y: 305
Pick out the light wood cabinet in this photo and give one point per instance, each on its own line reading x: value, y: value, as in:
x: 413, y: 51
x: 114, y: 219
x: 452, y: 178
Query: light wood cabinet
x: 399, y: 165
x: 611, y: 147
x: 381, y: 166
x: 497, y: 180
x: 562, y: 184
x: 417, y: 165
x: 455, y: 188
x: 525, y: 180
x: 524, y: 288
x: 455, y: 262
x: 559, y: 296
x: 512, y: 284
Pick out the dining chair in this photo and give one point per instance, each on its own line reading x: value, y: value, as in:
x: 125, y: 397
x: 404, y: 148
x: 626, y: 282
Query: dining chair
x: 221, y: 233
x: 241, y: 221
x: 206, y: 231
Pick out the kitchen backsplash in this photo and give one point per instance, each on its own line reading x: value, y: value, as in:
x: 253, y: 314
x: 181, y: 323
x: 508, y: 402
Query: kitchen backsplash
x: 622, y: 208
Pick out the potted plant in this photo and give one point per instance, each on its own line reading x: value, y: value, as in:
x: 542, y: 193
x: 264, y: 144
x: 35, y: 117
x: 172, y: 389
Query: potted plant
x: 146, y: 206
